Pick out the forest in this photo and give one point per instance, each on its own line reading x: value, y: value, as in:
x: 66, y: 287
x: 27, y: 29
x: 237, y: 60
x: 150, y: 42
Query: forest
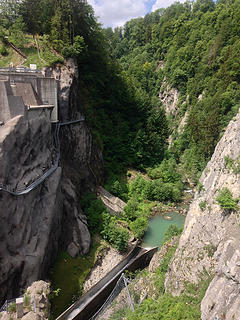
x: 194, y: 47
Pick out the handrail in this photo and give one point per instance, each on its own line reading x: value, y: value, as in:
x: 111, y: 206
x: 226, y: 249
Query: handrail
x: 19, y: 70
x: 37, y: 182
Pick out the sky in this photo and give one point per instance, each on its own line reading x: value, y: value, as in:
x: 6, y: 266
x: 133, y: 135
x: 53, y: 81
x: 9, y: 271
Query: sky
x: 114, y: 13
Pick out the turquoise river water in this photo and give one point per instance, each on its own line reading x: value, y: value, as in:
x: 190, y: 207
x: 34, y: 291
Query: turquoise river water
x: 157, y: 226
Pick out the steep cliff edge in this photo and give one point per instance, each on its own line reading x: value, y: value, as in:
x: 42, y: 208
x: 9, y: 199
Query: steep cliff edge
x: 34, y: 226
x: 211, y: 238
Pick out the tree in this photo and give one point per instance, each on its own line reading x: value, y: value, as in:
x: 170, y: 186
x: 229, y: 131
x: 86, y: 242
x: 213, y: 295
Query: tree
x: 37, y: 15
x: 226, y: 201
x: 9, y: 12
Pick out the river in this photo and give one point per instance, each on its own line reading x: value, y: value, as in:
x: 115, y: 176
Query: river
x: 157, y: 226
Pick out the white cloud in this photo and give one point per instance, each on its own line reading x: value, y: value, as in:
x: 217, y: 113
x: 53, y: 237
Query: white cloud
x: 115, y: 13
x: 164, y: 4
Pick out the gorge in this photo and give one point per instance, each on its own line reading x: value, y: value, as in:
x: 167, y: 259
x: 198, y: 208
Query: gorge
x: 158, y: 101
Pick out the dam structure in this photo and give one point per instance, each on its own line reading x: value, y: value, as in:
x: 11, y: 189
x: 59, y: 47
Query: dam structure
x: 31, y: 94
x: 27, y: 92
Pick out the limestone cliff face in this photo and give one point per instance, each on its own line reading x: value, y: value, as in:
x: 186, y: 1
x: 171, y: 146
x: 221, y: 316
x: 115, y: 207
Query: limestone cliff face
x: 170, y: 99
x: 82, y: 158
x: 34, y: 226
x: 211, y: 237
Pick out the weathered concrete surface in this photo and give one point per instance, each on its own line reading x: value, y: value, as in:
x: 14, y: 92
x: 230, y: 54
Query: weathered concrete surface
x: 19, y: 89
x: 114, y: 204
x: 211, y: 238
x: 10, y: 105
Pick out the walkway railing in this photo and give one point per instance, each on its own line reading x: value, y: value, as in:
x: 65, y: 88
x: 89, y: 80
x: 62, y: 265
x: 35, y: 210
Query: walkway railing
x: 22, y: 190
x: 19, y: 70
x: 121, y: 284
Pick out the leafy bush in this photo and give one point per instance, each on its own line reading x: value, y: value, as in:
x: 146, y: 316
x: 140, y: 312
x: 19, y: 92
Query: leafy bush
x: 139, y: 226
x: 226, y: 201
x: 193, y: 162
x: 12, y: 307
x: 132, y: 209
x: 47, y: 52
x: 138, y: 187
x: 172, y: 231
x: 117, y: 187
x: 114, y: 234
x: 75, y: 50
x: 159, y: 191
x: 3, y: 50
x: 94, y: 215
x: 167, y: 171
x: 203, y: 205
x: 156, y: 190
x: 93, y: 209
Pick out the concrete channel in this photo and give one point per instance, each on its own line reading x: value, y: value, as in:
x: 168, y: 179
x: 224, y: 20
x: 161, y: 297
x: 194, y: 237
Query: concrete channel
x: 88, y: 304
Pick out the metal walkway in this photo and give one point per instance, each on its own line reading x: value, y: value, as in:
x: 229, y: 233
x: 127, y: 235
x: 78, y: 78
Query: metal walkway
x: 36, y: 183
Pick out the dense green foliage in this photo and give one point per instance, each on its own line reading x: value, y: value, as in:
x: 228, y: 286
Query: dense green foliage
x: 156, y: 190
x: 194, y: 46
x: 142, y: 193
x: 167, y: 307
x: 226, y: 201
x: 165, y: 185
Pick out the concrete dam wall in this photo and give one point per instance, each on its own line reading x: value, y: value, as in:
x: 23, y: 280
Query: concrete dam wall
x: 27, y: 93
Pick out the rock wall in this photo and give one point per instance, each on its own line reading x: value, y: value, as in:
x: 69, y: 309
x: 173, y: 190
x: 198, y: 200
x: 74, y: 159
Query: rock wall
x: 34, y: 226
x: 83, y: 161
x: 211, y: 238
x: 169, y: 97
x: 35, y: 304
